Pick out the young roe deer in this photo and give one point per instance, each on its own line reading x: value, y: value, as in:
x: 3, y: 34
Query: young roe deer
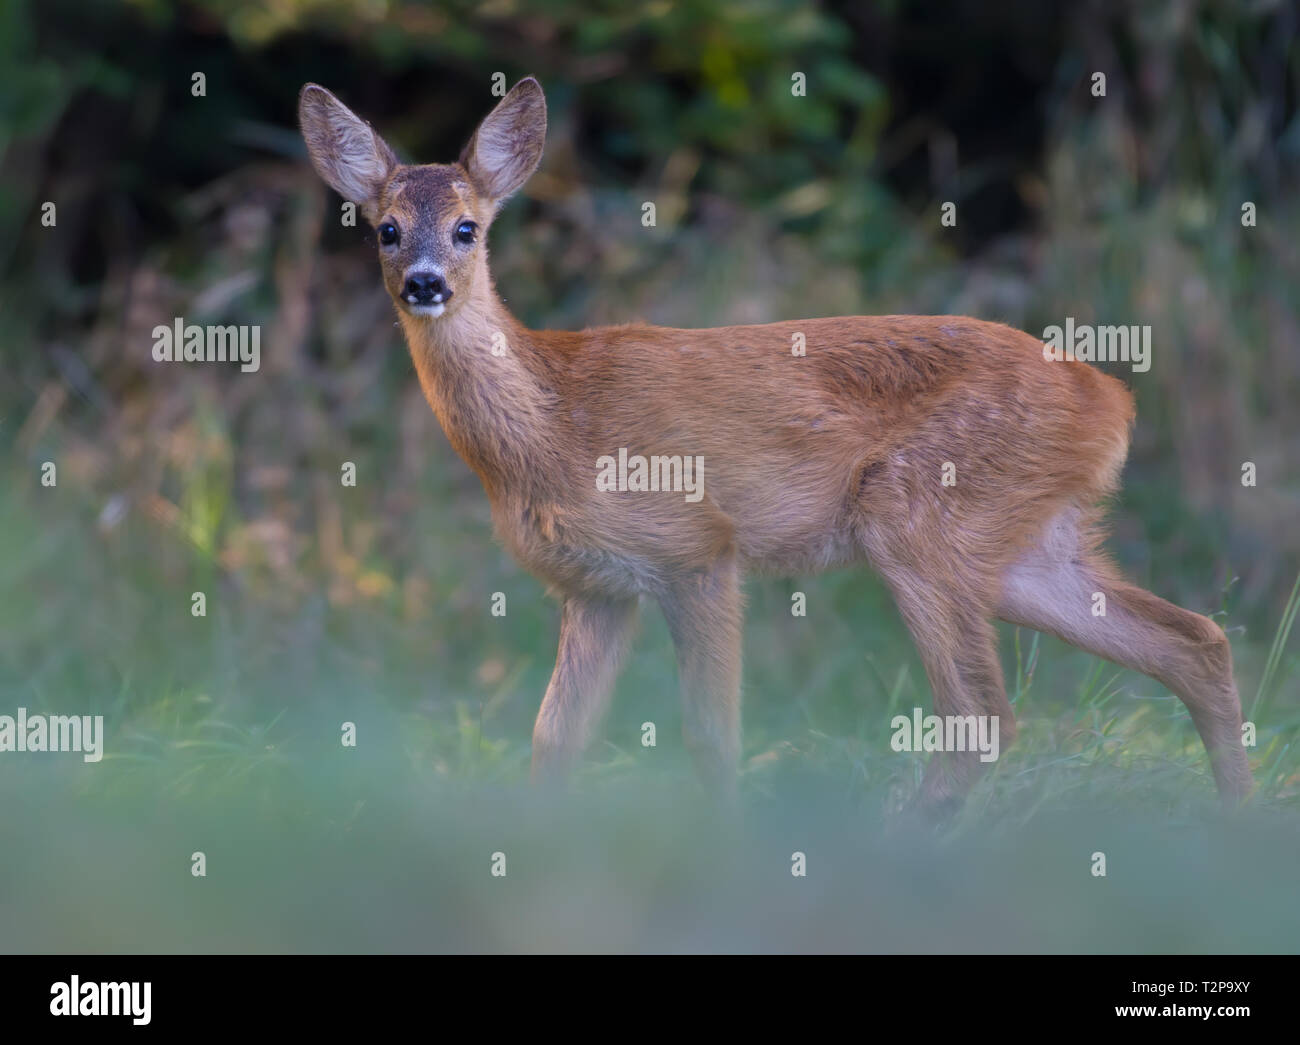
x: 811, y: 461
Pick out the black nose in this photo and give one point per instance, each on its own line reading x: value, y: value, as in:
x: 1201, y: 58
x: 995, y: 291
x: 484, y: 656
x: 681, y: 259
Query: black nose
x: 424, y: 288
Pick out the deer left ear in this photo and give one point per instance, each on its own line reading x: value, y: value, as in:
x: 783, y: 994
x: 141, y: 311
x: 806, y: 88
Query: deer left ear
x: 354, y: 161
x: 507, y: 146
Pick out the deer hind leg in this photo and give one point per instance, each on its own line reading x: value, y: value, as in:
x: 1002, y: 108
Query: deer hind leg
x: 1053, y: 588
x: 594, y: 634
x: 958, y: 647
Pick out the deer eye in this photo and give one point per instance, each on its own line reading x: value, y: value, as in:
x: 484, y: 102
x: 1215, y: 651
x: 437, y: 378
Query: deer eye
x: 465, y: 232
x: 388, y: 234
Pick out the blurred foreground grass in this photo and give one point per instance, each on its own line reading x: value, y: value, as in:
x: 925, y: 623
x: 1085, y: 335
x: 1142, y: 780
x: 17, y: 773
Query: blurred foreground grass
x: 355, y: 854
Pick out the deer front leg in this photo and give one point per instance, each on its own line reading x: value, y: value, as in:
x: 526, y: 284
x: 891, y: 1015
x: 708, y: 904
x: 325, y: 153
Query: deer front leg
x: 704, y: 615
x: 594, y: 634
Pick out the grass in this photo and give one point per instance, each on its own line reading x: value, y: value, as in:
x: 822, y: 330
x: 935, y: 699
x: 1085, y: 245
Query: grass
x: 224, y: 737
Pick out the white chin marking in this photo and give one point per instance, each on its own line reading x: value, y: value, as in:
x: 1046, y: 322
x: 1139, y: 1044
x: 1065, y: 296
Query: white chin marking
x: 432, y: 311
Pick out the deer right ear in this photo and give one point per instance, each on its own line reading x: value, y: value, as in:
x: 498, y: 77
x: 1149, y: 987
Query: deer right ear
x: 354, y: 161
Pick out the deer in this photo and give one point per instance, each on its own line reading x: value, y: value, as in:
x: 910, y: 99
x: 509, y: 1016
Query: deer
x: 831, y: 457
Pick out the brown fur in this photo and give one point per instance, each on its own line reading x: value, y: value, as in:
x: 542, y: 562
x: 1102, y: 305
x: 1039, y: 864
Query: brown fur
x: 811, y: 461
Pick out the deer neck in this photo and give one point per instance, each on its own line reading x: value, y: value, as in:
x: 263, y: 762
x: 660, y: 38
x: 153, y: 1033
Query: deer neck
x: 480, y: 370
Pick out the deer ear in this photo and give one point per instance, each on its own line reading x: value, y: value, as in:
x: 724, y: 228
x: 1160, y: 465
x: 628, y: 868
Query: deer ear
x: 507, y: 146
x: 354, y: 161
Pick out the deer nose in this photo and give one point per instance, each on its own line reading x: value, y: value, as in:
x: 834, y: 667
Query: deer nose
x: 425, y: 288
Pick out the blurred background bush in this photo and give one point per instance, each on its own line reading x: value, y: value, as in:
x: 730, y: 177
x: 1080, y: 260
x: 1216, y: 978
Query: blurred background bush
x: 1121, y: 209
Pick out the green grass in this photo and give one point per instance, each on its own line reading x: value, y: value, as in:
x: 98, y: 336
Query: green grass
x: 224, y: 736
